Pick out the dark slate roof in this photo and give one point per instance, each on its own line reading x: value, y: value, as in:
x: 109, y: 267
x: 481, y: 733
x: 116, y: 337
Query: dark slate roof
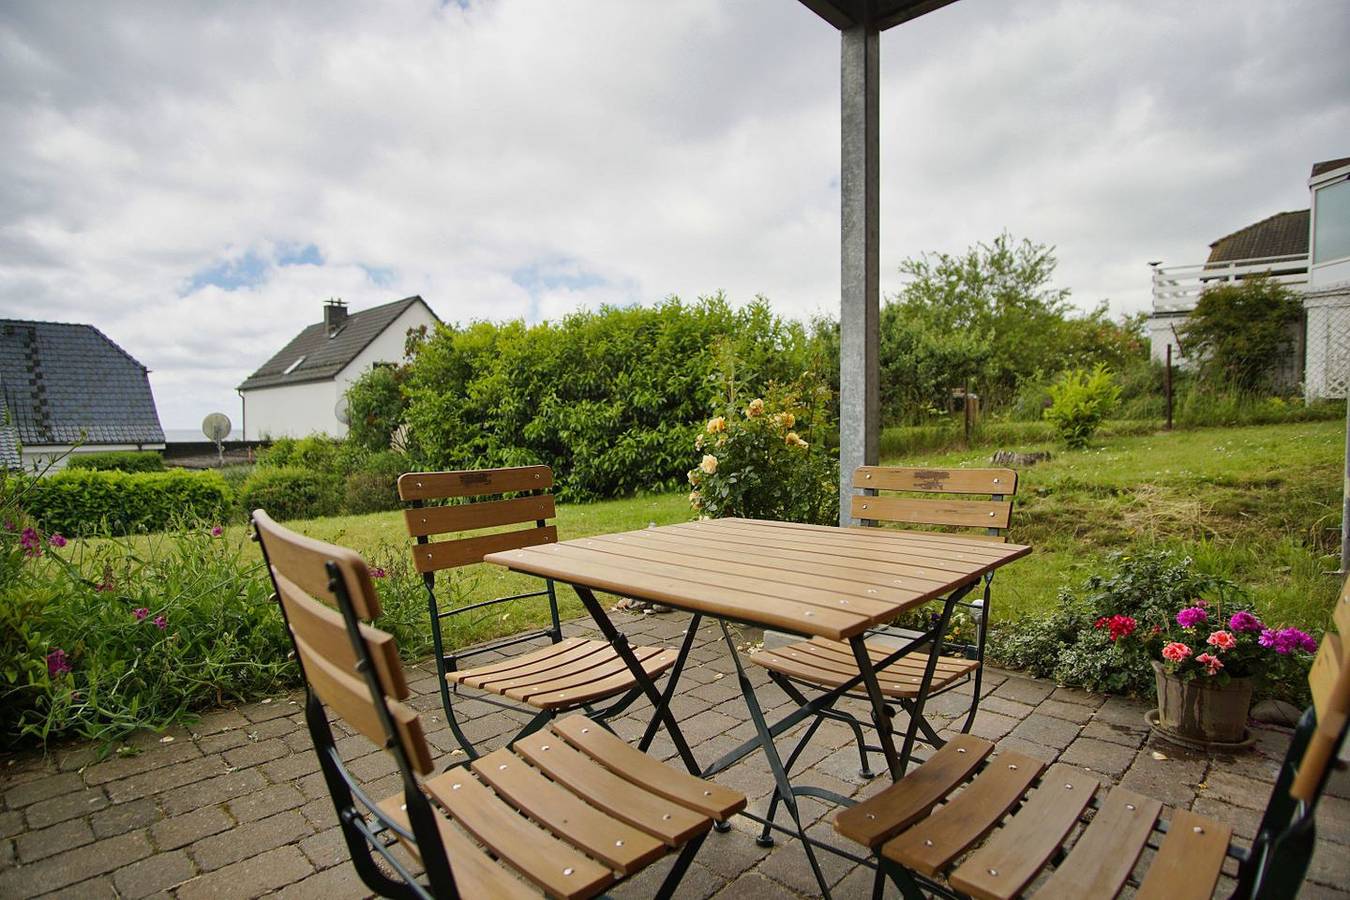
x: 1283, y: 234
x: 9, y: 439
x: 324, y: 356
x: 1319, y: 168
x: 66, y: 384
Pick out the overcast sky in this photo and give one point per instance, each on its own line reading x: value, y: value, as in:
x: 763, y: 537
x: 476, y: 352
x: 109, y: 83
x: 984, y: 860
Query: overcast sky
x: 196, y: 178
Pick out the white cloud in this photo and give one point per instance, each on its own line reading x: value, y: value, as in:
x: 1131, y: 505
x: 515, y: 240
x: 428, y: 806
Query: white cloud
x: 521, y: 158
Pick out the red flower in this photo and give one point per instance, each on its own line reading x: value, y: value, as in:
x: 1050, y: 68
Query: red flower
x: 1119, y: 626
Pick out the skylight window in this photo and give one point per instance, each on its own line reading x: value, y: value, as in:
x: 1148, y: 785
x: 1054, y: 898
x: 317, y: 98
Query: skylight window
x: 295, y: 365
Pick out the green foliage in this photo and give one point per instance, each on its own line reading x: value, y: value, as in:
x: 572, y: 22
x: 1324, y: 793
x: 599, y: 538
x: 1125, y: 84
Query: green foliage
x: 1079, y: 402
x: 118, y: 460
x: 374, y: 486
x: 610, y: 399
x: 375, y: 408
x: 1238, y: 333
x: 316, y: 452
x: 291, y: 492
x: 84, y: 501
x: 756, y: 464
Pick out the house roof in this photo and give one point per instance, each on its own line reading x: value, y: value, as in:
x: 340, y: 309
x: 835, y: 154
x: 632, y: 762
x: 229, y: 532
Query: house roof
x: 1327, y: 166
x: 9, y: 439
x: 322, y: 357
x: 1283, y: 234
x: 64, y: 383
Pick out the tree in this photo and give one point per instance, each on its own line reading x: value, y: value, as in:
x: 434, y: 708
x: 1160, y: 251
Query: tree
x: 1238, y: 332
x: 375, y: 407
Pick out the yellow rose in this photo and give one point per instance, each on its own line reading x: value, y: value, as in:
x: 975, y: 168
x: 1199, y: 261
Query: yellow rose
x: 756, y: 408
x: 694, y: 476
x: 788, y: 419
x: 792, y: 439
x: 698, y: 442
x: 709, y: 464
x: 717, y: 424
x: 695, y: 499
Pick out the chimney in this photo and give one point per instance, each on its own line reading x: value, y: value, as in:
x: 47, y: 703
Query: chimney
x: 334, y: 314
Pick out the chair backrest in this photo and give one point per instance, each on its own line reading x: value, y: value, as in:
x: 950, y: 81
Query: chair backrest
x: 534, y: 505
x: 1329, y: 679
x: 954, y: 509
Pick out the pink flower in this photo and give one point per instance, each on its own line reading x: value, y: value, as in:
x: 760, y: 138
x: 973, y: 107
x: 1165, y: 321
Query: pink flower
x: 1287, y: 640
x: 1191, y: 616
x: 30, y: 542
x: 57, y: 663
x: 56, y: 540
x: 9, y: 525
x: 1211, y: 663
x: 377, y: 572
x: 161, y: 623
x: 1244, y: 621
x: 217, y: 531
x: 103, y: 587
x: 1222, y: 639
x: 140, y: 613
x: 1176, y: 651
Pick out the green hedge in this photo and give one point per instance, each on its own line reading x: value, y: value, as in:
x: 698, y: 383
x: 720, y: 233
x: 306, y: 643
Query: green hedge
x: 287, y: 492
x: 84, y: 501
x: 118, y: 460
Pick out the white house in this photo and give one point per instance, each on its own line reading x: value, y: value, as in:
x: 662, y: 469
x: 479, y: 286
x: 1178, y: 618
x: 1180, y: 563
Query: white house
x: 299, y: 391
x: 1309, y: 251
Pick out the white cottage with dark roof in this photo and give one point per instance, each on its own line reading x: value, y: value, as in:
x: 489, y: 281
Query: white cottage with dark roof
x: 298, y: 391
x: 68, y: 388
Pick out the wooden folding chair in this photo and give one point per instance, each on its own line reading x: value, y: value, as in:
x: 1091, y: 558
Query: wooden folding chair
x: 823, y: 664
x: 927, y: 828
x: 569, y: 674
x: 569, y: 810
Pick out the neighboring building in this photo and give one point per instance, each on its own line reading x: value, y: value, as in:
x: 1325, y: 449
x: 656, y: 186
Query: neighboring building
x: 1319, y: 347
x: 69, y: 389
x: 300, y: 389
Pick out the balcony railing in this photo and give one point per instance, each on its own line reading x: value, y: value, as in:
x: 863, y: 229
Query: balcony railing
x: 1177, y: 288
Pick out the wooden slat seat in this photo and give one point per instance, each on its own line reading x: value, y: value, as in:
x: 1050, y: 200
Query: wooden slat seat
x: 830, y: 663
x: 565, y: 674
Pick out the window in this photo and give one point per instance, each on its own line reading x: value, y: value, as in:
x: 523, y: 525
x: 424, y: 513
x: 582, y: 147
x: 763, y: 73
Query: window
x: 295, y: 365
x: 1331, y: 222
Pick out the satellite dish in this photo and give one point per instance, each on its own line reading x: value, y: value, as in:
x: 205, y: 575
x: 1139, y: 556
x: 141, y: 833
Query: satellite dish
x: 216, y: 427
x: 340, y: 410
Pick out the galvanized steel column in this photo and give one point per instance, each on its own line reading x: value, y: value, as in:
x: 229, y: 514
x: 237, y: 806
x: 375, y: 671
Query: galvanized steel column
x: 859, y: 335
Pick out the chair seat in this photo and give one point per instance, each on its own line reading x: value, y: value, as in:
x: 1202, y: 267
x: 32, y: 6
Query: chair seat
x: 938, y: 814
x: 565, y: 674
x: 568, y: 810
x: 829, y: 664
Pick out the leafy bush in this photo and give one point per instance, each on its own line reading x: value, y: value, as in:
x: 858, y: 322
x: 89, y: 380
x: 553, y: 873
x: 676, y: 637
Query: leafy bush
x: 1079, y: 402
x: 756, y: 464
x: 1238, y: 333
x: 1103, y: 637
x: 84, y: 501
x: 316, y: 452
x: 118, y: 460
x: 375, y: 408
x: 374, y: 487
x: 291, y: 492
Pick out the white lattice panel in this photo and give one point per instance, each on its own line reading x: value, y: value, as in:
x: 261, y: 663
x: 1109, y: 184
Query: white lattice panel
x: 1327, y: 372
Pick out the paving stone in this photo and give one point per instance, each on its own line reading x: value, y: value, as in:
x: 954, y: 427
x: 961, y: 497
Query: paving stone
x: 787, y: 863
x: 1074, y: 695
x: 1070, y: 712
x: 159, y: 780
x: 1329, y: 866
x: 74, y: 760
x: 34, y: 845
x: 249, y: 839
x: 8, y: 854
x: 219, y: 743
x: 1228, y: 788
x: 287, y: 768
x: 11, y: 823
x: 219, y: 720
x: 732, y: 853
x: 181, y: 830
x: 1045, y: 730
x: 160, y: 757
x: 101, y: 886
x: 124, y: 817
x: 1024, y: 690
x: 1333, y: 819
x: 1044, y: 753
x: 1244, y: 821
x: 65, y: 869
x: 263, y: 803
x: 1171, y: 780
x: 153, y: 874
x: 264, y: 712
x: 250, y: 877
x: 211, y: 791
x: 256, y: 754
x: 1004, y: 706
x: 1121, y: 711
x: 326, y: 849
x: 66, y: 806
x: 338, y: 883
x: 752, y: 886
x: 698, y: 882
x: 1116, y: 734
x: 1098, y: 756
x: 992, y: 726
x: 44, y: 788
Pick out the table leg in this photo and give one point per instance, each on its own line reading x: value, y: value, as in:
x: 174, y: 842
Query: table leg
x: 672, y: 679
x: 619, y: 642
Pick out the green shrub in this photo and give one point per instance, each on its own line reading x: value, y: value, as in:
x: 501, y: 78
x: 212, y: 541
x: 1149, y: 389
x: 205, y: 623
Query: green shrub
x: 316, y: 452
x: 290, y: 492
x: 1238, y: 333
x: 84, y: 501
x: 118, y: 460
x: 1079, y: 401
x: 375, y: 407
x: 374, y: 487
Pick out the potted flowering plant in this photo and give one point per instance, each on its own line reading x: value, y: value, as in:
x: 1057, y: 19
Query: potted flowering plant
x: 1206, y: 665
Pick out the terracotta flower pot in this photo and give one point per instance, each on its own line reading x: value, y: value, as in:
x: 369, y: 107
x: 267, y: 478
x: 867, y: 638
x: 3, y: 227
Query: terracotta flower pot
x: 1201, y: 711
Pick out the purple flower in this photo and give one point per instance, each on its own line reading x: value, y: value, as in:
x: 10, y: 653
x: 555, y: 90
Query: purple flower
x: 1191, y: 616
x: 57, y: 663
x: 1244, y: 621
x: 217, y: 531
x: 140, y: 613
x: 57, y: 540
x: 161, y: 623
x: 377, y: 572
x: 9, y: 525
x: 1286, y: 640
x: 30, y: 542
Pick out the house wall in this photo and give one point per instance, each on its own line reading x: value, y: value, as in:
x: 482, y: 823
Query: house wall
x: 295, y: 410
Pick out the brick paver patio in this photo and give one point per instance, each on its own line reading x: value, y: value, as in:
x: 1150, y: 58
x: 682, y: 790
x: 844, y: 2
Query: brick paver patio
x: 235, y: 806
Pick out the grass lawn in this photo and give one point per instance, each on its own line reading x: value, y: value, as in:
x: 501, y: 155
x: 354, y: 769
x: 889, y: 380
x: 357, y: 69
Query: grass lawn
x: 1259, y: 505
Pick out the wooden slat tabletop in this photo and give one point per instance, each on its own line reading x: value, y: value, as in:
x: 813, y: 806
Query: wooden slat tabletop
x: 806, y: 579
